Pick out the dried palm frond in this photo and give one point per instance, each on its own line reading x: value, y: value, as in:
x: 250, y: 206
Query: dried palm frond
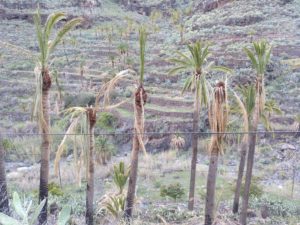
x: 218, y: 111
x: 18, y: 50
x: 177, y: 142
x: 78, y: 120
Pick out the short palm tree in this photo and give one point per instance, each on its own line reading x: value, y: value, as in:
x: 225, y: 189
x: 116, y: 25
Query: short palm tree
x: 43, y: 85
x: 84, y: 120
x: 4, y: 203
x: 140, y: 99
x: 218, y: 111
x: 259, y: 58
x: 196, y: 62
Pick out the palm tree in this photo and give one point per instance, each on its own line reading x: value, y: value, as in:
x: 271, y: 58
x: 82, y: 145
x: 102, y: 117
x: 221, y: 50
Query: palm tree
x: 4, y: 203
x: 245, y: 107
x: 259, y: 59
x: 218, y: 120
x: 197, y: 63
x: 140, y: 99
x: 43, y: 85
x: 84, y: 120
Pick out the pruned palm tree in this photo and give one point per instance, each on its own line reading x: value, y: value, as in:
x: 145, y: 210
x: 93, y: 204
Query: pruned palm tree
x: 140, y: 99
x: 43, y: 85
x: 259, y: 57
x: 4, y: 202
x: 196, y: 63
x: 83, y: 119
x: 218, y: 111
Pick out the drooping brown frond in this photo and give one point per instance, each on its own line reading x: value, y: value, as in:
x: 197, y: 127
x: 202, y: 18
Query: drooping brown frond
x: 61, y: 146
x: 218, y: 115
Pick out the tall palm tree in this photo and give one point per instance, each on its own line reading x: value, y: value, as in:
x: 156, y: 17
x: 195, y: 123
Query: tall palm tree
x: 140, y: 99
x: 218, y: 111
x: 259, y: 59
x: 43, y: 85
x: 196, y: 62
x: 4, y: 203
x: 245, y: 107
x: 84, y: 120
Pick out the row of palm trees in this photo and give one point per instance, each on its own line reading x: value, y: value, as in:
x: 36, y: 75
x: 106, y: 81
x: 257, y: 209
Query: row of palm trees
x: 205, y: 95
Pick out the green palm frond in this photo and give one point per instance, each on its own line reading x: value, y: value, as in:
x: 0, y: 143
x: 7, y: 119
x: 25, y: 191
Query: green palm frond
x: 52, y: 19
x: 39, y: 33
x: 63, y: 31
x: 120, y: 176
x: 271, y: 106
x: 142, y: 41
x: 259, y: 56
x: 223, y: 69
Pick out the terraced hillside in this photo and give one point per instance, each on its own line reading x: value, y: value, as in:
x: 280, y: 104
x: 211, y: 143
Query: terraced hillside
x: 92, y: 54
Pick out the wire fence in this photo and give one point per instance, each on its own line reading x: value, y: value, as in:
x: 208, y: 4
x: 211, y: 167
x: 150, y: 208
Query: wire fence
x: 168, y: 159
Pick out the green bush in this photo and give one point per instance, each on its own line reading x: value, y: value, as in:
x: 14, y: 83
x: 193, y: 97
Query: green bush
x: 174, y: 191
x: 104, y: 150
x: 276, y: 206
x: 83, y: 100
x: 8, y: 144
x: 55, y: 189
x: 106, y: 120
x: 255, y: 189
x: 172, y: 214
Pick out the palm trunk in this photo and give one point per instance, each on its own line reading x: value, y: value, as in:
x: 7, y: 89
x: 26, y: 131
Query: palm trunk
x: 237, y: 193
x: 250, y: 159
x: 194, y: 152
x: 135, y: 151
x: 45, y: 147
x: 4, y: 203
x: 89, y: 216
x: 211, y: 185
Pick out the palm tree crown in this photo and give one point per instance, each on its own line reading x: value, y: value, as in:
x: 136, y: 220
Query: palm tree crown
x: 142, y: 40
x: 260, y: 56
x: 196, y: 62
x: 44, y: 32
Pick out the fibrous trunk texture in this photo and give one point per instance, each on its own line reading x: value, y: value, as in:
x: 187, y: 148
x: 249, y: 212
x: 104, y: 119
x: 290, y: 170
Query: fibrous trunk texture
x: 89, y: 216
x: 211, y: 185
x: 139, y: 100
x: 4, y: 203
x: 239, y: 181
x: 251, y: 153
x: 194, y: 152
x: 45, y: 147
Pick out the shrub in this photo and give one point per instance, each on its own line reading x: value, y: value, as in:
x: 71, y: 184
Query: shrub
x: 54, y: 189
x: 106, y: 120
x: 255, y: 189
x: 22, y: 212
x: 174, y: 191
x: 276, y: 206
x: 172, y: 214
x: 8, y: 144
x: 83, y: 100
x: 103, y: 149
x: 120, y: 176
